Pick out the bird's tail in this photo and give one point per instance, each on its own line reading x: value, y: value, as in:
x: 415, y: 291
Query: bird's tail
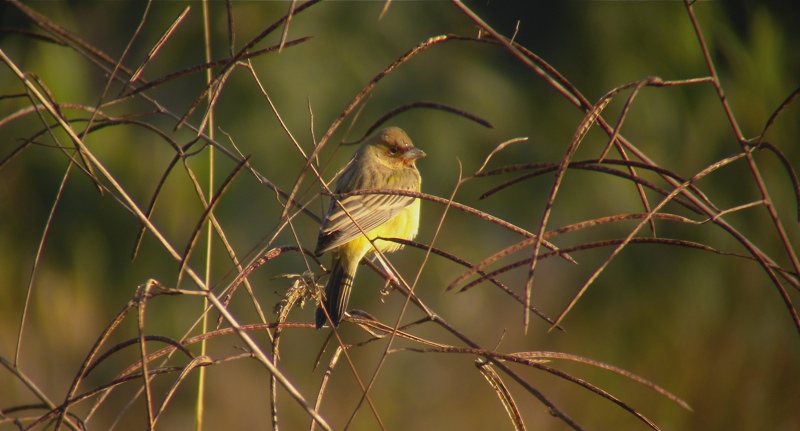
x: 337, y: 293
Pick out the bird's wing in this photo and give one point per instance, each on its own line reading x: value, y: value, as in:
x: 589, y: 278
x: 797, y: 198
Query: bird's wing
x: 368, y: 212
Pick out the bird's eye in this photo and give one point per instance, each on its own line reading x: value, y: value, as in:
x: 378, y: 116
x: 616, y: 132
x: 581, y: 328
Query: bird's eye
x: 394, y: 151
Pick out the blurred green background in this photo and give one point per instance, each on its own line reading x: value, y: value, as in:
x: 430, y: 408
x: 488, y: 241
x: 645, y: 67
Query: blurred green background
x: 711, y: 329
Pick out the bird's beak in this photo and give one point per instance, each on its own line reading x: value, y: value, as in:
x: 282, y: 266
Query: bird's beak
x: 413, y: 154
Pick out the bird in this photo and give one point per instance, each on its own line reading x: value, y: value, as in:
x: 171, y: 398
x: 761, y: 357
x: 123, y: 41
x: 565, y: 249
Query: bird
x: 351, y: 224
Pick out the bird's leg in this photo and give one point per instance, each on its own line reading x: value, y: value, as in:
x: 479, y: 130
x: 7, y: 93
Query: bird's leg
x: 390, y: 278
x: 386, y: 289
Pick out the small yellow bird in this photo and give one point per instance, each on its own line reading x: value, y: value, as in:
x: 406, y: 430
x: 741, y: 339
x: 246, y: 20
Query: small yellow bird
x: 384, y: 161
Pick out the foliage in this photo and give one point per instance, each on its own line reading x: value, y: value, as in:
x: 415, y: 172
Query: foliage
x: 609, y: 197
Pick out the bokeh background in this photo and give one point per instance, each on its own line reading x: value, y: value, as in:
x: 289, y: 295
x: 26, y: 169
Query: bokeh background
x: 711, y: 329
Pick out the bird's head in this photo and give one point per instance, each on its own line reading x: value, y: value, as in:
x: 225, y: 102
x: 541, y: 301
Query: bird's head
x: 393, y: 147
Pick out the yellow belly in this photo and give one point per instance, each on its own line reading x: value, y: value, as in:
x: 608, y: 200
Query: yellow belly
x: 404, y: 225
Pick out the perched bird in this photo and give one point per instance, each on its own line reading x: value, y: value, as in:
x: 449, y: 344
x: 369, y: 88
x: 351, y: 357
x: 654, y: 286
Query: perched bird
x: 384, y: 161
